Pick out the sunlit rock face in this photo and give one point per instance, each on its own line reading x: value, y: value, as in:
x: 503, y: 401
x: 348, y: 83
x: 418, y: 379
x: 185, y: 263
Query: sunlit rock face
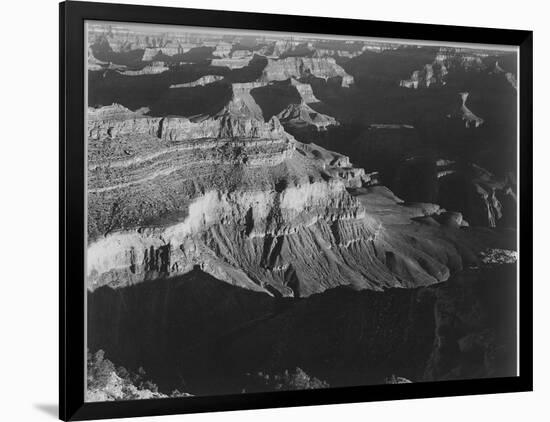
x: 449, y: 61
x: 243, y: 200
x: 302, y: 115
x: 297, y: 67
x: 463, y: 113
x: 202, y: 81
x: 305, y: 91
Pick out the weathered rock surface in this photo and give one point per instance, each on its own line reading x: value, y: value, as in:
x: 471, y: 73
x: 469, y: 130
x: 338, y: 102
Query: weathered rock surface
x: 248, y: 203
x: 446, y: 60
x: 297, y: 67
x: 302, y: 115
x: 305, y: 91
x: 232, y: 62
x: 430, y: 75
x: 202, y: 81
x: 465, y: 114
x: 151, y: 69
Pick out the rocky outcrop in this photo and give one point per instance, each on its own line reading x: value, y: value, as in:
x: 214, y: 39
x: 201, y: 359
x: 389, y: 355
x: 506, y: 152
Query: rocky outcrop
x: 479, y: 194
x: 150, y: 53
x: 262, y: 213
x: 202, y: 81
x: 431, y: 74
x: 151, y: 69
x: 302, y: 116
x: 305, y: 91
x: 232, y: 63
x: 445, y: 61
x: 298, y: 67
x: 115, y: 121
x: 465, y: 114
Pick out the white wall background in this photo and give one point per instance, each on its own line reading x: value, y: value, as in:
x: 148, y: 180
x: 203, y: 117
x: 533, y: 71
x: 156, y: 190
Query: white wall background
x: 29, y: 208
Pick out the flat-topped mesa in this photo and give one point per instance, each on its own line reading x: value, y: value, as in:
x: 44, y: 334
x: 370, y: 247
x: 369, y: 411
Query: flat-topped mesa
x: 465, y: 114
x: 224, y: 125
x: 302, y: 115
x: 305, y: 91
x: 241, y: 118
x: 232, y: 62
x: 116, y: 120
x: 151, y: 69
x: 298, y: 67
x: 202, y: 81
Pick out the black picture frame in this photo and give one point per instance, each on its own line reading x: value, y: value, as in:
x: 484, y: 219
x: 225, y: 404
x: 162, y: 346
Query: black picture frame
x: 72, y: 16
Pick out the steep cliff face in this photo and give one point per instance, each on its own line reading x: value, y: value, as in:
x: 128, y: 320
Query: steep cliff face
x: 431, y: 74
x: 246, y: 202
x: 151, y: 69
x: 302, y: 116
x: 463, y: 113
x: 445, y: 61
x: 305, y: 91
x: 297, y: 67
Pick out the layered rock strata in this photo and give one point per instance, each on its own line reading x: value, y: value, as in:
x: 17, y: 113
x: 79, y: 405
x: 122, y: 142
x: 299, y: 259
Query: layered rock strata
x: 246, y: 202
x: 151, y: 69
x: 302, y: 115
x: 202, y: 81
x: 297, y: 67
x: 305, y: 91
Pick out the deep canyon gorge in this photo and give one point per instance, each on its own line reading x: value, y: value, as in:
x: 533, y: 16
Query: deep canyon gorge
x: 267, y: 203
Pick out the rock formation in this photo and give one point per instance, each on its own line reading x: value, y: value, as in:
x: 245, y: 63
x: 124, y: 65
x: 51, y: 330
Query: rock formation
x: 256, y: 241
x: 430, y: 75
x: 465, y: 114
x: 202, y: 81
x: 248, y: 203
x: 232, y: 63
x: 151, y: 69
x: 305, y: 91
x: 445, y: 61
x: 301, y: 115
x: 298, y: 67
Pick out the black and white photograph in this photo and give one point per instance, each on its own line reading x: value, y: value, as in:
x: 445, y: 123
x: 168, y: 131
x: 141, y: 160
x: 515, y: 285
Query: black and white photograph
x: 272, y: 211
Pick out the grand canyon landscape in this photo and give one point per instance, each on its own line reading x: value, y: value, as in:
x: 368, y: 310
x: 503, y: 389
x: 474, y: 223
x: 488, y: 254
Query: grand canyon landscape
x: 270, y: 211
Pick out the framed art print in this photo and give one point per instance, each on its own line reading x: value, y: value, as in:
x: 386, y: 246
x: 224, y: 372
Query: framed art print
x: 267, y: 210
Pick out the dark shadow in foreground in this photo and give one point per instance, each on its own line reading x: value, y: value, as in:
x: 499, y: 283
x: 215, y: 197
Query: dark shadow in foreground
x: 200, y: 335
